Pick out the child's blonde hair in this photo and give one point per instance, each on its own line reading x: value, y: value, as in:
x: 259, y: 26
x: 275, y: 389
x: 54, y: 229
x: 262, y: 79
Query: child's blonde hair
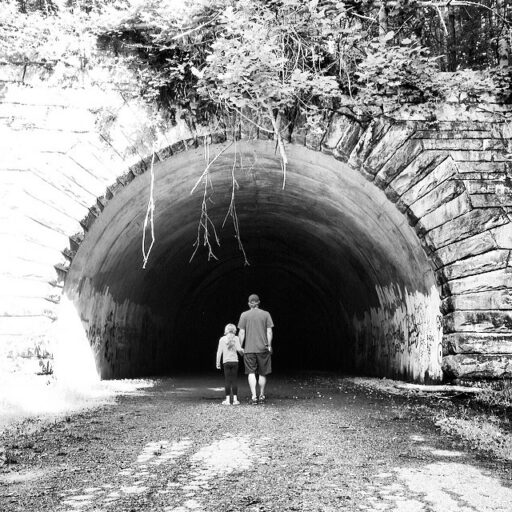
x: 230, y: 332
x: 230, y: 328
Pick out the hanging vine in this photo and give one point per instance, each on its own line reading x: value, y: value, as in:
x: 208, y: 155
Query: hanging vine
x: 270, y: 62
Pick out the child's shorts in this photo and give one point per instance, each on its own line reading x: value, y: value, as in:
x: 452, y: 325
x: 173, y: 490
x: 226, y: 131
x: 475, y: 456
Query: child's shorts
x: 260, y: 363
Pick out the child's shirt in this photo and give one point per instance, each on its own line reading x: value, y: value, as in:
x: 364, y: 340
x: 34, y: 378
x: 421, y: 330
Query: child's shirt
x: 229, y: 355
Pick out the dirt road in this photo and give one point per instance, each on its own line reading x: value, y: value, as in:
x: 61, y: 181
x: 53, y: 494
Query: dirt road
x: 320, y: 443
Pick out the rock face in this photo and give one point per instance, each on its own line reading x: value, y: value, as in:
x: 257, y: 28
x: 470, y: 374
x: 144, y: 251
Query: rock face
x: 391, y: 240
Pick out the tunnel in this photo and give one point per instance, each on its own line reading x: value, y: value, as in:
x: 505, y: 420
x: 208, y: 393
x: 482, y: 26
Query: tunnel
x: 343, y: 274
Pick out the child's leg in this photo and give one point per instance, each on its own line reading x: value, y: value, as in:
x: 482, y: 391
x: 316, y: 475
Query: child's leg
x: 234, y: 381
x: 231, y: 370
x: 227, y: 380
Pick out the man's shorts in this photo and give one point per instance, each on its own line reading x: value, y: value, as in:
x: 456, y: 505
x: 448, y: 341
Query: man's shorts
x: 260, y: 363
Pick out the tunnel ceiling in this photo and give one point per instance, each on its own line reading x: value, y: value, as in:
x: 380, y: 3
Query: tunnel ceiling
x: 327, y: 222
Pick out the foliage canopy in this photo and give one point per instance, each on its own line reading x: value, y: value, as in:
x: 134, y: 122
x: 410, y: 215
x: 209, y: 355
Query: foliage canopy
x: 276, y: 56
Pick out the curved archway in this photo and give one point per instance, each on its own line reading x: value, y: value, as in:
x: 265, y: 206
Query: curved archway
x: 337, y: 264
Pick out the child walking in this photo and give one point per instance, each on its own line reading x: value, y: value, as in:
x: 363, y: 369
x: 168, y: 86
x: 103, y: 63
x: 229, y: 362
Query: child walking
x: 229, y: 345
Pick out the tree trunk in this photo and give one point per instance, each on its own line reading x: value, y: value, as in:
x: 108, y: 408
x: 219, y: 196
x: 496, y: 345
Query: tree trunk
x: 383, y: 21
x: 452, y: 41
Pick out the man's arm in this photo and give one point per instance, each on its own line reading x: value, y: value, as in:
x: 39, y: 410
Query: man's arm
x: 241, y: 335
x: 269, y: 338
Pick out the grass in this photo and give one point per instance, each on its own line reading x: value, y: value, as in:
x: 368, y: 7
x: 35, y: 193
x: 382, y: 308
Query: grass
x: 480, y: 420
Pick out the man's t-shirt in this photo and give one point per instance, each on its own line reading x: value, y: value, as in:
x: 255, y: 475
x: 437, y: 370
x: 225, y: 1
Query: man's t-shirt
x: 255, y: 323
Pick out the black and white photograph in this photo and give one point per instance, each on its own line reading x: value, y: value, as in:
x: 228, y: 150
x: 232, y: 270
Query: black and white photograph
x: 256, y: 255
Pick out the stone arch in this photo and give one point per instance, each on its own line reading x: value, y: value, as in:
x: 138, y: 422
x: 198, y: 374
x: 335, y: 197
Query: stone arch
x: 445, y: 167
x: 381, y: 152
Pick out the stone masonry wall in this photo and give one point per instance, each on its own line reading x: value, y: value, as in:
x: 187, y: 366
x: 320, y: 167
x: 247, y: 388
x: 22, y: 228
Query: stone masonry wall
x: 57, y: 169
x: 67, y: 150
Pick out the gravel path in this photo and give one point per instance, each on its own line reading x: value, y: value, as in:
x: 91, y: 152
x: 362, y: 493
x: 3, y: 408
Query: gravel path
x: 320, y: 443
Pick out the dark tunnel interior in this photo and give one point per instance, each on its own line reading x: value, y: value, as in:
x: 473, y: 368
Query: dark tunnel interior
x: 335, y: 263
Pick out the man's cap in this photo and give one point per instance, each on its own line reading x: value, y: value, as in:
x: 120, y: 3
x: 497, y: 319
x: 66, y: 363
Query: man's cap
x: 254, y: 298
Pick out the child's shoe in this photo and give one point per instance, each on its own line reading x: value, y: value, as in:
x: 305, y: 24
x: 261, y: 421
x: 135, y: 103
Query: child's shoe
x: 226, y: 402
x: 235, y: 400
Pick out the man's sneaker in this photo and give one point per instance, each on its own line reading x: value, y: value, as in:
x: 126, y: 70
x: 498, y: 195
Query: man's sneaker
x: 226, y: 402
x: 236, y: 402
x: 262, y: 398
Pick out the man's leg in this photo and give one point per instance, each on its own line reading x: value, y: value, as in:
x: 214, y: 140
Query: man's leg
x: 251, y: 377
x: 262, y: 381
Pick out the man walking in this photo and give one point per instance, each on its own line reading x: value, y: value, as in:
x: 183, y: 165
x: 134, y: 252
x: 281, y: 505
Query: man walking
x: 256, y: 338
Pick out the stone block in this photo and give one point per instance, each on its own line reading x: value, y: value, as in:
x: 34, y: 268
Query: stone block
x: 89, y: 219
x: 61, y: 199
x: 460, y: 125
x: 18, y: 287
x: 489, y: 185
x: 314, y: 138
x: 503, y: 236
x: 422, y: 165
x: 126, y: 178
x: 466, y: 225
x: 139, y: 168
x: 348, y: 142
x: 75, y: 241
x: 491, y: 300
x: 48, y: 118
x: 68, y: 254
x: 491, y: 200
x: 477, y: 343
x: 479, y: 156
x: 45, y: 214
x: 460, y: 144
x: 28, y: 266
x: 101, y: 202
x: 338, y: 127
x: 486, y: 262
x: 401, y: 159
x: 475, y: 176
x: 25, y: 307
x: 445, y: 213
x: 24, y: 325
x: 453, y: 134
x: 394, y: 140
x: 298, y: 130
x: 95, y: 158
x: 375, y: 131
x: 471, y: 246
x: 112, y: 190
x: 32, y: 229
x: 494, y: 280
x: 444, y: 170
x: 477, y: 366
x: 69, y: 185
x: 478, y: 321
x: 40, y: 141
x: 484, y: 168
x: 444, y: 192
x: 70, y: 119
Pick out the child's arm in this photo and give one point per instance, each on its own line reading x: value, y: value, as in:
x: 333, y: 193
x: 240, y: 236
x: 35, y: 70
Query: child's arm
x: 238, y: 346
x: 219, y: 354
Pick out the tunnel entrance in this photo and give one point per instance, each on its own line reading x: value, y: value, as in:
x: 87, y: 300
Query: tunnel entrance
x: 341, y: 271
